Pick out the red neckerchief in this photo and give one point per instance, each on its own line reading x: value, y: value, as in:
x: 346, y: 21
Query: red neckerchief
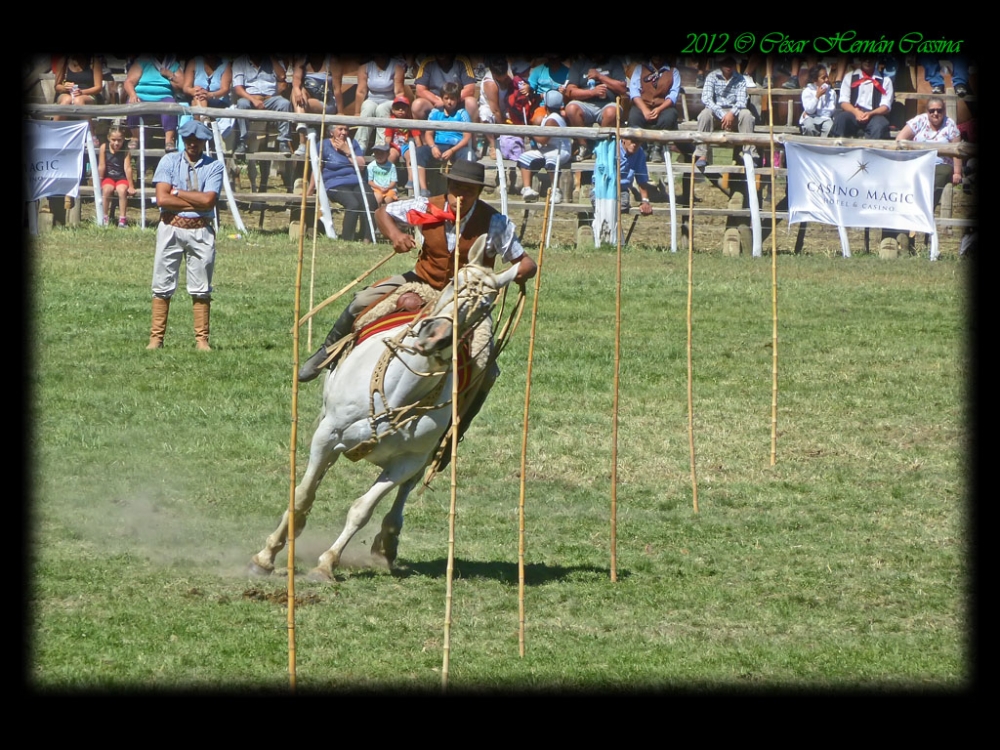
x: 865, y: 77
x: 433, y: 215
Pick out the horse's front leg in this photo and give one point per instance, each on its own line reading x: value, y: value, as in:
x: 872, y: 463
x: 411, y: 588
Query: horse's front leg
x: 361, y: 512
x: 386, y: 542
x: 321, y: 457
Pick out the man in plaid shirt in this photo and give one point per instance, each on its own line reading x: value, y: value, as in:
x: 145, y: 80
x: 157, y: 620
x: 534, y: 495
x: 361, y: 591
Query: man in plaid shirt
x: 725, y: 98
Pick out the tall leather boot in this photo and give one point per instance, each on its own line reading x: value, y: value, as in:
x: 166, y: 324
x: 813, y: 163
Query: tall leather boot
x: 201, y: 316
x: 161, y: 307
x: 310, y: 369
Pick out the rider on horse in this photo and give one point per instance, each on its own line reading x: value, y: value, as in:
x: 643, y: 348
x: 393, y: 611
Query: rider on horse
x: 436, y: 218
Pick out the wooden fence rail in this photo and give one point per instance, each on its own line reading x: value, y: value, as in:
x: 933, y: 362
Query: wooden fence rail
x: 962, y: 150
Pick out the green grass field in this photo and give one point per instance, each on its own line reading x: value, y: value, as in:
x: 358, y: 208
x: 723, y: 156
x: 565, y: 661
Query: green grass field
x: 156, y: 475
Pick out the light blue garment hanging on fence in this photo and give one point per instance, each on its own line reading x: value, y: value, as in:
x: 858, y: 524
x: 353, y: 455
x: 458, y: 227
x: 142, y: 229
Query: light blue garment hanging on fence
x: 605, y: 193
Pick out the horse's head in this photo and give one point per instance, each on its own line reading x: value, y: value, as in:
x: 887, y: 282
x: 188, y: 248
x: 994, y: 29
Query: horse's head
x: 475, y: 294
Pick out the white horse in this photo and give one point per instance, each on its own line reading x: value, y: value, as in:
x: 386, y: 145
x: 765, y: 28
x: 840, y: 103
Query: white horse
x: 389, y: 401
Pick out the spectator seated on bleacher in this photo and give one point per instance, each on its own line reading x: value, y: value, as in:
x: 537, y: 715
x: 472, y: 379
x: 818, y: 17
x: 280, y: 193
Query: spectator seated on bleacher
x: 934, y: 126
x: 521, y: 104
x: 382, y: 177
x: 155, y: 79
x: 865, y: 102
x: 79, y: 79
x: 592, y: 87
x: 495, y: 92
x: 380, y: 81
x: 115, y: 173
x: 433, y: 74
x: 208, y: 81
x: 258, y: 83
x: 341, y: 162
x: 550, y: 153
x: 819, y: 103
x: 959, y: 74
x: 399, y: 140
x: 549, y: 75
x: 654, y: 88
x: 315, y: 79
x: 444, y: 147
x: 725, y: 100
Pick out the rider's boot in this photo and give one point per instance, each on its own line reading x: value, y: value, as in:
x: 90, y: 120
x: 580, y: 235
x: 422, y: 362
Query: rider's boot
x: 311, y: 368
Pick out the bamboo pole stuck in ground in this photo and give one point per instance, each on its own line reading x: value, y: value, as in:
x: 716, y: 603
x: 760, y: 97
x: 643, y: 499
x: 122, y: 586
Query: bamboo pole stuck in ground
x: 294, y: 442
x: 524, y: 437
x: 618, y: 337
x: 450, y: 575
x: 305, y: 188
x: 774, y: 280
x: 690, y: 372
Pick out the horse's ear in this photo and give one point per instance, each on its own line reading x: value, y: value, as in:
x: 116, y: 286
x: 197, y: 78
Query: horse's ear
x: 478, y: 251
x: 503, y: 279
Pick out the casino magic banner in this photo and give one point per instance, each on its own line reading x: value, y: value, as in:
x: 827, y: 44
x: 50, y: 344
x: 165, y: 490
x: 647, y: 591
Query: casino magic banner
x: 53, y: 158
x: 861, y: 187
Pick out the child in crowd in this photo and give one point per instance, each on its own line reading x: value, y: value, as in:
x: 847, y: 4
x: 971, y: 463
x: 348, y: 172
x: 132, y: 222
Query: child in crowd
x: 445, y: 146
x: 634, y: 169
x: 551, y: 152
x: 399, y: 142
x: 382, y: 175
x: 521, y: 102
x: 819, y: 103
x: 115, y: 170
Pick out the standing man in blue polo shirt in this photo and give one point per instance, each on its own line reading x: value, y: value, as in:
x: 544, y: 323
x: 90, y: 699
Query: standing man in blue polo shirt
x: 188, y: 183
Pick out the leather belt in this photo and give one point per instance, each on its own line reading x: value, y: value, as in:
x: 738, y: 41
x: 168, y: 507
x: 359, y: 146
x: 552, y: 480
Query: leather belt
x: 183, y: 222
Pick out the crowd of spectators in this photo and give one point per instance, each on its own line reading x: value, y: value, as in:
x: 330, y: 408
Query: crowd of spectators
x: 850, y: 98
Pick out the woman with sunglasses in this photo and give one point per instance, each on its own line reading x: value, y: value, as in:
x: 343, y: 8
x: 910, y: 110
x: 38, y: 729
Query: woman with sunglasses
x: 934, y: 126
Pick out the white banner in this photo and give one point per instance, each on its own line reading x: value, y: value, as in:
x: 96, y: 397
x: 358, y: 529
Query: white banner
x: 861, y: 187
x: 53, y: 159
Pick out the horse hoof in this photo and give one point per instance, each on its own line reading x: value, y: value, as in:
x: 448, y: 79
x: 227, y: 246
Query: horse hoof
x: 320, y: 575
x: 385, y: 547
x: 256, y: 570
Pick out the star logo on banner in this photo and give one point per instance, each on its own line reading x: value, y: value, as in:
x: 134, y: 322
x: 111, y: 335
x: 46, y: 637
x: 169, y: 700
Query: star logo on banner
x: 862, y: 167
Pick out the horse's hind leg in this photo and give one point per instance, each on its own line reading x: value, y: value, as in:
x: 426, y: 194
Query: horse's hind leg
x: 386, y: 542
x: 361, y: 512
x: 321, y: 458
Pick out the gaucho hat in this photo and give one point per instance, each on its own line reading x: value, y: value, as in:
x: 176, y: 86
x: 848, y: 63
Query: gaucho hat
x: 198, y: 129
x: 471, y: 172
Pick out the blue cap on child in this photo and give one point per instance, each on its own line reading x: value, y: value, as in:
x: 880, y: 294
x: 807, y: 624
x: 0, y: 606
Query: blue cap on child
x: 553, y: 99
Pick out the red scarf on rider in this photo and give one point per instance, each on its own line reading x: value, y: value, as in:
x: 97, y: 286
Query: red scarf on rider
x: 433, y: 215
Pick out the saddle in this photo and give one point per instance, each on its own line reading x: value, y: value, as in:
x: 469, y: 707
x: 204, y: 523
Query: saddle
x: 398, y: 307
